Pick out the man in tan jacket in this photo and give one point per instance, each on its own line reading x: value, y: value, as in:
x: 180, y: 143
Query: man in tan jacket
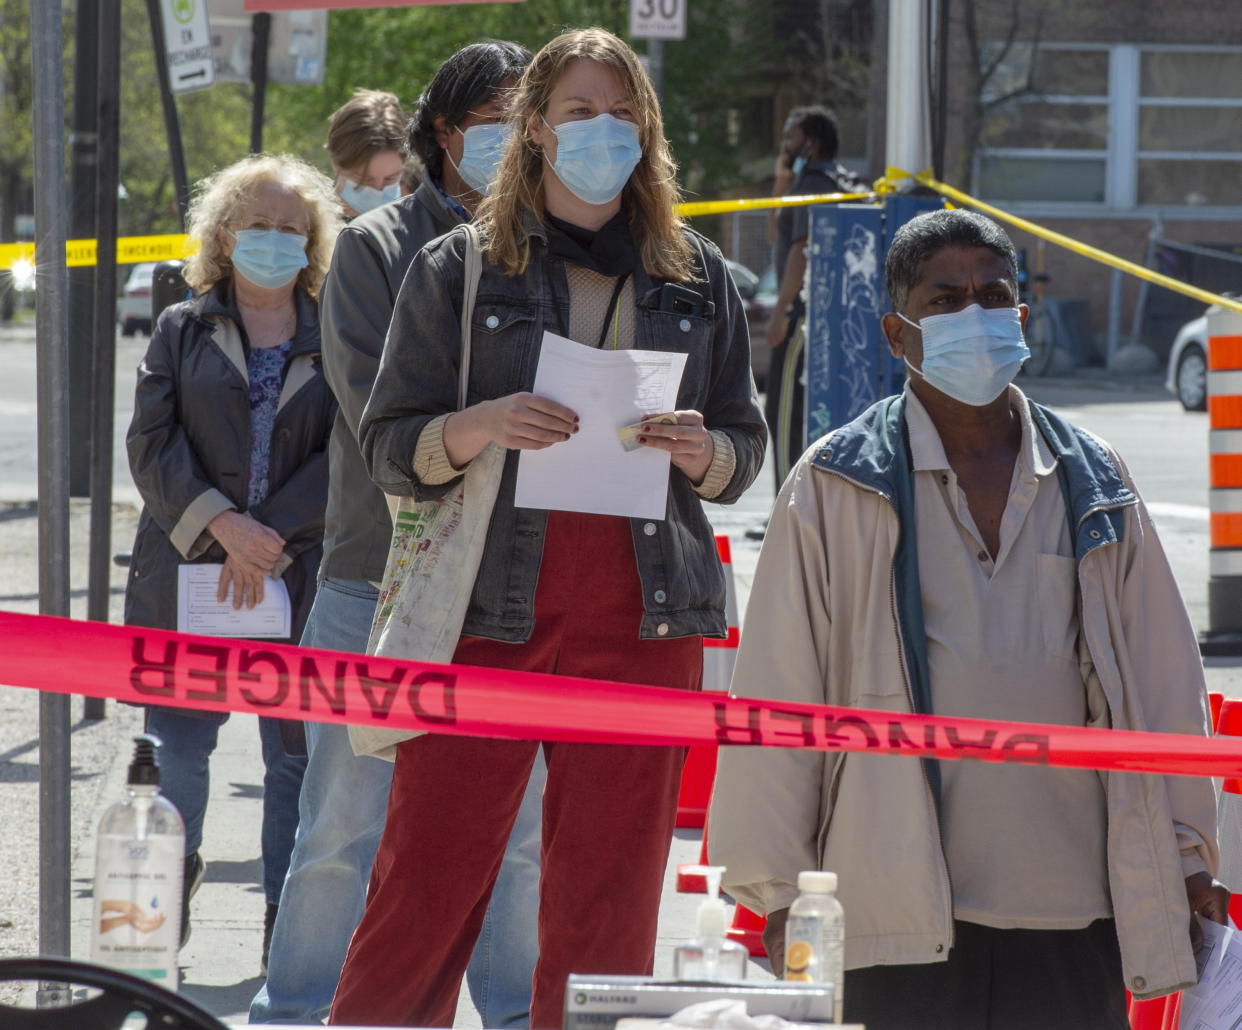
x: 960, y: 550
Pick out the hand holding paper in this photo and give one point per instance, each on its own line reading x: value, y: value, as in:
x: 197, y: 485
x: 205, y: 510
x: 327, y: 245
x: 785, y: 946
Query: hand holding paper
x: 609, y: 390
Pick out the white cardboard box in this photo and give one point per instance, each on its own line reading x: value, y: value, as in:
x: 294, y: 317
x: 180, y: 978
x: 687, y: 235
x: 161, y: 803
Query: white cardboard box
x: 594, y: 1002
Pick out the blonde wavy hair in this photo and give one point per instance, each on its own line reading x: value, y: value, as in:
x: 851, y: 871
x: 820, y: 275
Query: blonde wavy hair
x: 219, y: 198
x: 650, y: 194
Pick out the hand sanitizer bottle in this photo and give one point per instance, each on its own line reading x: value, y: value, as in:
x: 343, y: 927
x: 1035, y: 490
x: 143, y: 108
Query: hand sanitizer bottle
x: 139, y: 862
x: 710, y: 955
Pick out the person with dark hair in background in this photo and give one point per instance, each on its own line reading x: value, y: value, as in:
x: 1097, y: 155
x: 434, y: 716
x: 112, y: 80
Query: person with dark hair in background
x: 457, y: 133
x: 366, y: 143
x: 806, y: 165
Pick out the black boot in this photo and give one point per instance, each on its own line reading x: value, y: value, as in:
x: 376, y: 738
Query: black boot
x: 269, y: 924
x: 195, y: 870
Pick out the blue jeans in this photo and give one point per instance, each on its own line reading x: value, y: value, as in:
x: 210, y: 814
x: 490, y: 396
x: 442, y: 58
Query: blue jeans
x: 342, y: 809
x: 189, y: 740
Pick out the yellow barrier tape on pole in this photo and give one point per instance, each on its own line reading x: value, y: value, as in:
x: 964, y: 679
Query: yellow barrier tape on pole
x: 695, y: 208
x: 129, y: 250
x: 1068, y: 242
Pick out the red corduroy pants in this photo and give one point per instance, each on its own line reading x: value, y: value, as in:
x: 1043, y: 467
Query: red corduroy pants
x: 608, y: 810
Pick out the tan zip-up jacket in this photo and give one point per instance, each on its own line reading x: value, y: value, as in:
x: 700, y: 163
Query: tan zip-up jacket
x: 822, y: 627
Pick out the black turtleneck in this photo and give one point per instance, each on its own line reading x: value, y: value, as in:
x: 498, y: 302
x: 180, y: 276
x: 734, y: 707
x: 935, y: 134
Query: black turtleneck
x: 609, y: 250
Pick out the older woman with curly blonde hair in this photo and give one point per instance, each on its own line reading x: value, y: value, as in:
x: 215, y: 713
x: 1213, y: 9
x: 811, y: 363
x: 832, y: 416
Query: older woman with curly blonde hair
x: 228, y: 448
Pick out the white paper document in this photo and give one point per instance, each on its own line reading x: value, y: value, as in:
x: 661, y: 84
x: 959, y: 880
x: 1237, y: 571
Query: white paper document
x: 198, y: 611
x: 592, y: 471
x: 1215, y: 1002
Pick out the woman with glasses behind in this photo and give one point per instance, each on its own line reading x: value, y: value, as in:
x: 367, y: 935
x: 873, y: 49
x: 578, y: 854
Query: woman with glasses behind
x: 228, y: 448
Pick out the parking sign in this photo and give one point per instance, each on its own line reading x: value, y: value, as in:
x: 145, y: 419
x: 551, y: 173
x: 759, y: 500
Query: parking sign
x: 658, y: 19
x: 187, y: 42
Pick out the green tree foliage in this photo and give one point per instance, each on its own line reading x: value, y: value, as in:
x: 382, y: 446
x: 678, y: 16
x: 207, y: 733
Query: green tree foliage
x: 400, y: 49
x: 719, y: 88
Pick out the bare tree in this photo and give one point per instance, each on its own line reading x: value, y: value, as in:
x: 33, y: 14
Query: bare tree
x: 992, y: 43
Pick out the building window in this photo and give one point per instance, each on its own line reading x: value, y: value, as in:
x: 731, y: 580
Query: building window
x: 1115, y: 126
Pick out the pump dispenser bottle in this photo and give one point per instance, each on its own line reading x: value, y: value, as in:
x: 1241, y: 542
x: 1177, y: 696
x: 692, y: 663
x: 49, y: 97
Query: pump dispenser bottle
x: 139, y: 863
x: 710, y: 955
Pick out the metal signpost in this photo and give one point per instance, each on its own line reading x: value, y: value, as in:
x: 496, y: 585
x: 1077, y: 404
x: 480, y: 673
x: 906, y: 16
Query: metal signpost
x: 656, y: 21
x: 187, y: 45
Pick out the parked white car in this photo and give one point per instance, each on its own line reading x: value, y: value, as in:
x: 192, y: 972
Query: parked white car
x: 133, y: 309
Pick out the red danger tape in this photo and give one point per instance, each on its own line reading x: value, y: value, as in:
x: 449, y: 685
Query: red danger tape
x: 213, y: 674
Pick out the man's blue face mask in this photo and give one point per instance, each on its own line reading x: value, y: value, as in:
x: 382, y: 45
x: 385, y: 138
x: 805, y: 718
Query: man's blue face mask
x: 971, y: 355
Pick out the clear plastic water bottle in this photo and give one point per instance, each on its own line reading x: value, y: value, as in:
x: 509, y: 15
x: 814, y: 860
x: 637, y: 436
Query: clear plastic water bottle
x: 139, y: 863
x: 815, y: 936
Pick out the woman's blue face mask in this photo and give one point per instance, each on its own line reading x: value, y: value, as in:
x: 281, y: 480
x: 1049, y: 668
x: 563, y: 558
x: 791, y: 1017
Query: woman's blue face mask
x: 268, y: 257
x: 596, y: 156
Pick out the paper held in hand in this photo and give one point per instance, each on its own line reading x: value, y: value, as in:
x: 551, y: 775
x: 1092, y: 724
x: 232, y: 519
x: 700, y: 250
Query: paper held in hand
x: 1214, y: 1002
x: 593, y: 471
x: 198, y: 611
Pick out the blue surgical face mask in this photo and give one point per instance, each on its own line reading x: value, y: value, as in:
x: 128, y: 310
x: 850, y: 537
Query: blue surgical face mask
x: 482, y: 148
x: 368, y: 198
x: 595, y: 156
x: 268, y: 257
x: 799, y: 165
x: 972, y: 355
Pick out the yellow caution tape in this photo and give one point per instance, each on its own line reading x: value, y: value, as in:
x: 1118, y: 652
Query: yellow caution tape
x: 925, y: 178
x: 695, y: 208
x: 129, y: 250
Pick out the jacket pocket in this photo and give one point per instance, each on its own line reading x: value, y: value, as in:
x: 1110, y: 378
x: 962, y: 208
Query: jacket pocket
x: 1058, y: 608
x: 500, y: 332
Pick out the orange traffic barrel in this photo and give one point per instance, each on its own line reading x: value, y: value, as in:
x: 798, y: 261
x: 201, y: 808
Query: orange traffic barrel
x: 1224, y: 386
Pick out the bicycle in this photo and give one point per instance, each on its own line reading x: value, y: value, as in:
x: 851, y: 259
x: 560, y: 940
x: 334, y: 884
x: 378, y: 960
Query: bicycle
x: 1043, y: 326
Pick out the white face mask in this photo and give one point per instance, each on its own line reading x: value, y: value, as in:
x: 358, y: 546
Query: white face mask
x: 971, y: 355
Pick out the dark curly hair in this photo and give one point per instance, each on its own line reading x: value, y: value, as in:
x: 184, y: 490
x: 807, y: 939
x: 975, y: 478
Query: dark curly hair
x: 469, y: 78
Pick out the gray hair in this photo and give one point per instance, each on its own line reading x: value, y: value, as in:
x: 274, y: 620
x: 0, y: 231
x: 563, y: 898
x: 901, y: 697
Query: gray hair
x: 924, y: 235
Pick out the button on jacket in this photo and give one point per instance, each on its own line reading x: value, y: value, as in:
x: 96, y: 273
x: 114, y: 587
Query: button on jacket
x: 418, y: 382
x: 189, y: 452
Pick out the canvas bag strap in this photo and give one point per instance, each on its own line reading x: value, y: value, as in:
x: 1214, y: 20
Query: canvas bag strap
x: 473, y: 272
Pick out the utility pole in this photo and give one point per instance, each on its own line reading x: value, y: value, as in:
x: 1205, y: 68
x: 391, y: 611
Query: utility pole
x: 84, y: 146
x: 52, y: 403
x: 260, y: 38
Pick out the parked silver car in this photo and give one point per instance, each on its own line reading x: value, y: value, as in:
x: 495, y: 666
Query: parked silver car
x: 1187, y: 376
x: 133, y: 308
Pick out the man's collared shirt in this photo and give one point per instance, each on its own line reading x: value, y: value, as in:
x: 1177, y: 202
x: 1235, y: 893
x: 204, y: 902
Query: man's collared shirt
x: 1025, y: 846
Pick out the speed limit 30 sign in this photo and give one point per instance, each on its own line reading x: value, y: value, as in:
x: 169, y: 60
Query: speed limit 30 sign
x: 658, y: 19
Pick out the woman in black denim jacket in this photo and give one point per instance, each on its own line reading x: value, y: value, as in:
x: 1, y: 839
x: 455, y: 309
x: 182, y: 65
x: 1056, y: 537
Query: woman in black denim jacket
x: 580, y: 239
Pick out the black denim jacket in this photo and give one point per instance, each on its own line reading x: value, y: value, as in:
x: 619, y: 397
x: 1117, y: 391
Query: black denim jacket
x: 683, y: 583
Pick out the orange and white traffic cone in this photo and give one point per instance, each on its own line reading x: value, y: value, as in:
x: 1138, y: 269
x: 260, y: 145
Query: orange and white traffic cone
x: 718, y: 658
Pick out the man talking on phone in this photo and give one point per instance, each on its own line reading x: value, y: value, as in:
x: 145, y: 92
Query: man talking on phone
x: 806, y: 165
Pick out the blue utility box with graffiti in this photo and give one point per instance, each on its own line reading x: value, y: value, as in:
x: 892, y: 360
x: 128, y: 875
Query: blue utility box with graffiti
x: 848, y: 365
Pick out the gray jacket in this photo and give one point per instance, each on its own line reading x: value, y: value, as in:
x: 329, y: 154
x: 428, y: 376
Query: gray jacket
x: 189, y: 452
x: 371, y: 256
x: 683, y: 583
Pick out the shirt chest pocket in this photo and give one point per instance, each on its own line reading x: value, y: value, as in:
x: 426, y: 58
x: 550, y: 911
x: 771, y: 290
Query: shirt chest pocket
x: 1057, y: 587
x: 500, y: 336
